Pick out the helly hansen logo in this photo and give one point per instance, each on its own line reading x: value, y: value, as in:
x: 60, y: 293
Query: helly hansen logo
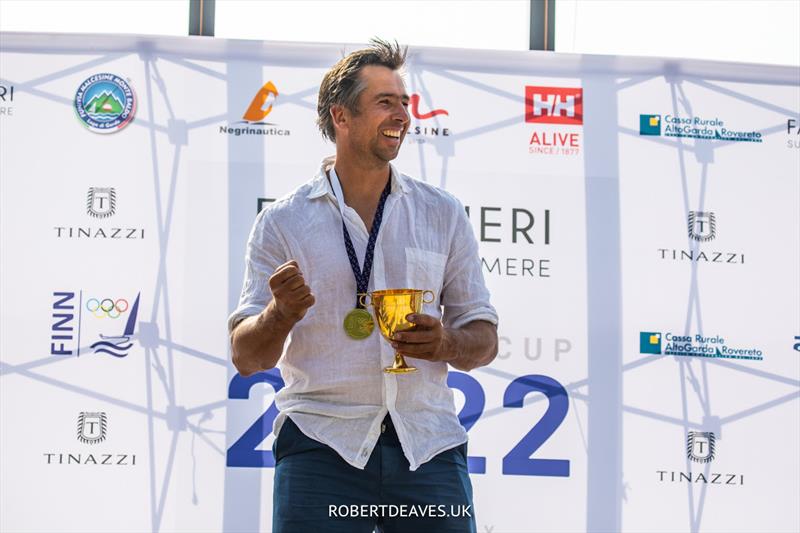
x: 554, y: 105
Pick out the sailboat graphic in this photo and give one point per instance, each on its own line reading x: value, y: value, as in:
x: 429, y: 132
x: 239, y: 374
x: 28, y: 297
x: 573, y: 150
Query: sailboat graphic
x: 119, y: 345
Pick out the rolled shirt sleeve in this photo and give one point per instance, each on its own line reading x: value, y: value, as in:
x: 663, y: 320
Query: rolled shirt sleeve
x: 265, y: 253
x: 465, y: 297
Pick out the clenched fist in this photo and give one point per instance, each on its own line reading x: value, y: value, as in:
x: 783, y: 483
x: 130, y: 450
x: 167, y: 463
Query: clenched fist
x: 291, y: 296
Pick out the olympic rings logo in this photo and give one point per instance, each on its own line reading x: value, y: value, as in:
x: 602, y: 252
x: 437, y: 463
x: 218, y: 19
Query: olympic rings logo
x: 107, y: 307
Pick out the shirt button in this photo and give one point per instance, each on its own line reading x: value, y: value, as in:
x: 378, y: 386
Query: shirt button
x: 383, y: 428
x: 364, y: 453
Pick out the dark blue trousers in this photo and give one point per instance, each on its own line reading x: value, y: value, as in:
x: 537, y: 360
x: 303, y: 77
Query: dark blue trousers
x: 316, y: 491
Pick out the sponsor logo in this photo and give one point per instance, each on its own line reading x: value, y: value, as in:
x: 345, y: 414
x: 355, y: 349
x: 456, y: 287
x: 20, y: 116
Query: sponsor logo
x: 695, y: 127
x: 92, y: 427
x: 561, y: 106
x: 517, y: 225
x: 669, y: 343
x: 554, y: 105
x: 105, y: 103
x: 92, y: 430
x: 650, y: 342
x: 414, y: 103
x: 6, y: 99
x: 419, y: 130
x: 101, y: 203
x: 700, y: 448
x: 649, y: 124
x: 702, y: 228
x: 792, y: 133
x: 108, y: 323
x: 253, y: 122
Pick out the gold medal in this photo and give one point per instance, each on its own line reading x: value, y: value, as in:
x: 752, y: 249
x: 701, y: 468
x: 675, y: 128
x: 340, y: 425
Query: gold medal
x: 358, y: 324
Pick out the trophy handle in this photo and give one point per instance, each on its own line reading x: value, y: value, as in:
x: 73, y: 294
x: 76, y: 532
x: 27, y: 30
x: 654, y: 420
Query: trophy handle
x: 426, y: 293
x: 362, y: 296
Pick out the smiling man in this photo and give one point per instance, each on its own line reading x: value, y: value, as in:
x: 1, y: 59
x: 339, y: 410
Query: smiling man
x: 357, y: 448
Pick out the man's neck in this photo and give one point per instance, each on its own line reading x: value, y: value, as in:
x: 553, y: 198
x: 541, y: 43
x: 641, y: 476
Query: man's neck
x: 362, y: 185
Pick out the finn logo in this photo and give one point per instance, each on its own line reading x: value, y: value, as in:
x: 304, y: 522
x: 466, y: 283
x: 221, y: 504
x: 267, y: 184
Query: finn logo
x: 554, y: 105
x: 650, y: 342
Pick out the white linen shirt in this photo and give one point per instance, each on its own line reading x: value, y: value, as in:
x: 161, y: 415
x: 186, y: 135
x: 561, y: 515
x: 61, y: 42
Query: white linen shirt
x: 336, y: 390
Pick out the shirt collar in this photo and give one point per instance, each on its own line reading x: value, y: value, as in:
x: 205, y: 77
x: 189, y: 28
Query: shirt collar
x: 320, y: 186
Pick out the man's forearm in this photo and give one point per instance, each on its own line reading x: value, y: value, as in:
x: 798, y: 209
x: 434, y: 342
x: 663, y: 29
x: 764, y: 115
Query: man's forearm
x: 471, y: 346
x: 257, y: 342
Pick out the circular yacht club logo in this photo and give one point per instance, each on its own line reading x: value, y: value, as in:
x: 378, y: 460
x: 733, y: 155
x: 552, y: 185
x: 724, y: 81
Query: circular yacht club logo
x: 105, y: 103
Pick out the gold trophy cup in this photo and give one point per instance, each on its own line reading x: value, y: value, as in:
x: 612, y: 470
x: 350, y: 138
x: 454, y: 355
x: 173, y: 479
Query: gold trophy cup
x: 391, y: 308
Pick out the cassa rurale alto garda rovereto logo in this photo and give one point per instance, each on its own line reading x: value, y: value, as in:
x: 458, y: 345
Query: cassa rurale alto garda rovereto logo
x: 697, y: 345
x: 694, y: 127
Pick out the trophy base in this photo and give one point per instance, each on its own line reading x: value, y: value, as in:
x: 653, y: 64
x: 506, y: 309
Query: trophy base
x: 400, y: 370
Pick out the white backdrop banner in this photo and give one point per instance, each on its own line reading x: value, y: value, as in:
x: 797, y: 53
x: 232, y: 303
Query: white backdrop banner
x: 639, y: 231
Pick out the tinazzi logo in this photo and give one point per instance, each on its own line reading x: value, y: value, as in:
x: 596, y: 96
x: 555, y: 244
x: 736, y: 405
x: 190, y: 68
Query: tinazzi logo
x: 91, y: 427
x: 97, y: 319
x: 101, y: 202
x: 702, y: 226
x: 694, y: 127
x: 105, y: 103
x: 700, y: 446
x: 792, y: 131
x: 256, y: 112
x: 6, y: 99
x: 554, y: 105
x: 656, y: 343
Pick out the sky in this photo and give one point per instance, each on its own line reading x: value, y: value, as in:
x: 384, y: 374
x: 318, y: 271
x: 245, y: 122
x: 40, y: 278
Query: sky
x: 751, y: 31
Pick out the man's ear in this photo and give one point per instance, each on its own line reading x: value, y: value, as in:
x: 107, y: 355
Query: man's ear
x: 340, y: 117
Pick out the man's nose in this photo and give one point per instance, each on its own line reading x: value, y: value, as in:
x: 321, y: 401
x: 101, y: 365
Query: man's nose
x: 401, y: 114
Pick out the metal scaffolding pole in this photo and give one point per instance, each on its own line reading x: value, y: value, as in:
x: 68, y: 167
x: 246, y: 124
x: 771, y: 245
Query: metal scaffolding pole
x: 543, y: 21
x: 201, y: 17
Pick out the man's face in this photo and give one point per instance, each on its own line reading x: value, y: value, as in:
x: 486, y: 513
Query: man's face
x: 379, y: 127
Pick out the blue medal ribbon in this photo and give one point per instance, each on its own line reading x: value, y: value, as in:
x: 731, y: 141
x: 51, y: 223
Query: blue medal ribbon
x: 362, y: 276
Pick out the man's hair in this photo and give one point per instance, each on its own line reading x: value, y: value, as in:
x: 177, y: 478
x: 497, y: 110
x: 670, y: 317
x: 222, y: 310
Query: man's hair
x: 342, y: 84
